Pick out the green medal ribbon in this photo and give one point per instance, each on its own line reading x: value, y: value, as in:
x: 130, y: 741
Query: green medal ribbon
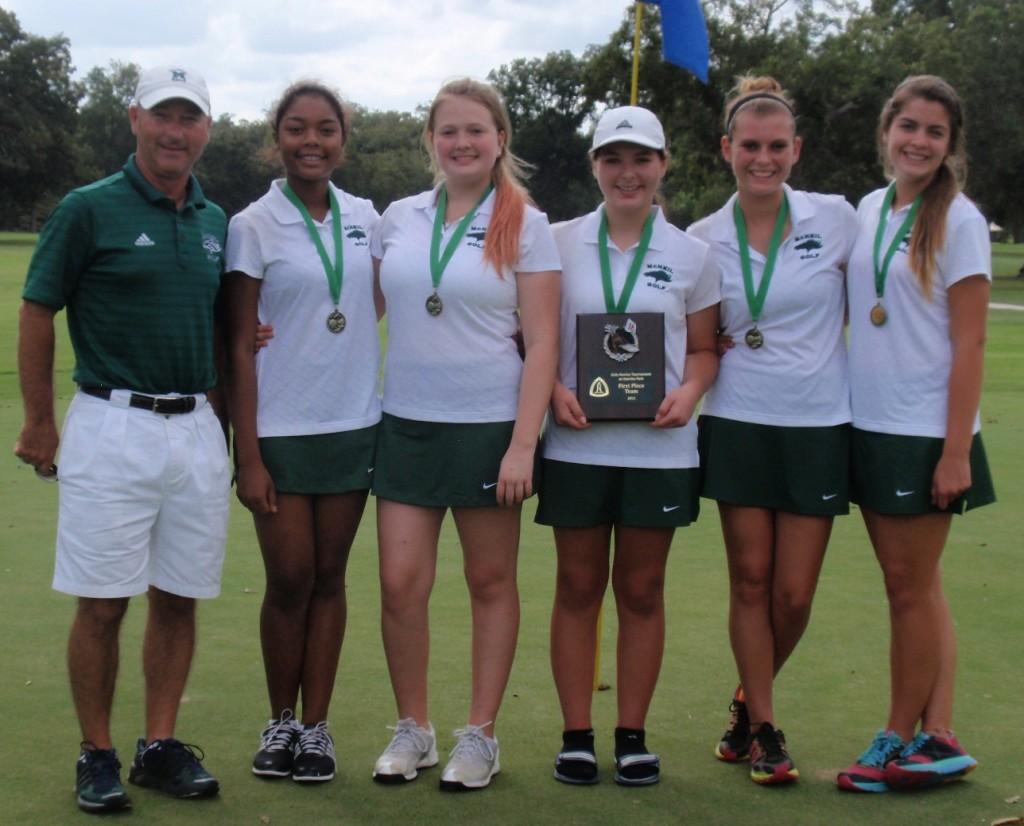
x: 611, y: 305
x: 439, y: 260
x: 335, y: 272
x: 755, y: 300
x: 882, y: 269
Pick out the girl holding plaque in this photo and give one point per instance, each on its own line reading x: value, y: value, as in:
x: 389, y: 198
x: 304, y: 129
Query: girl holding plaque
x: 461, y: 267
x: 631, y: 483
x: 305, y: 413
x: 774, y: 429
x: 918, y: 296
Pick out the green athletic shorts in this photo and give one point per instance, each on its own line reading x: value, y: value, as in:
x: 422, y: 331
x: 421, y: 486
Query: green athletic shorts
x: 801, y: 470
x: 893, y: 474
x: 440, y: 464
x: 321, y: 464
x: 582, y: 496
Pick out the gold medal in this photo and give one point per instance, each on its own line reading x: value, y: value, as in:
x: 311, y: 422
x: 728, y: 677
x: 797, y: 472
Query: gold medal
x: 336, y: 321
x: 878, y: 315
x: 434, y: 305
x: 754, y: 338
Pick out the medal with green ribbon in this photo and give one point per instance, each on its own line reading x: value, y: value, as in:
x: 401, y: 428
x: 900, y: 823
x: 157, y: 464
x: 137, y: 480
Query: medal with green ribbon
x: 755, y: 299
x: 878, y: 314
x: 611, y: 304
x: 438, y: 259
x: 335, y: 271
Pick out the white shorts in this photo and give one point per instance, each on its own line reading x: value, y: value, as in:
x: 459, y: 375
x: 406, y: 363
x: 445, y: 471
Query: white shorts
x: 143, y: 500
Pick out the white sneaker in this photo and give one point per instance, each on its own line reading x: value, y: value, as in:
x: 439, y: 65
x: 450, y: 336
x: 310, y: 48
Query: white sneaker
x: 473, y: 761
x: 413, y: 747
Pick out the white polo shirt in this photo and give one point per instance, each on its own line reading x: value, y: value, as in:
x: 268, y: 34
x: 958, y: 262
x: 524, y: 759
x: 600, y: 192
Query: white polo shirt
x: 678, y: 277
x: 899, y: 372
x: 462, y: 365
x: 310, y: 380
x: 799, y: 377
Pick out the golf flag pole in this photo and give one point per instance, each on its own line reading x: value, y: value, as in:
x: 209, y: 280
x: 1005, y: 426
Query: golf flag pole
x: 639, y: 18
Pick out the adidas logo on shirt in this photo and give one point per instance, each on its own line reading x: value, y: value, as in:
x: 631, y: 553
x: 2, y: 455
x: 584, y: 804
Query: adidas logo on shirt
x: 144, y: 241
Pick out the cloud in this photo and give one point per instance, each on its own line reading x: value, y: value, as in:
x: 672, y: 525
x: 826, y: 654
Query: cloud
x: 388, y: 54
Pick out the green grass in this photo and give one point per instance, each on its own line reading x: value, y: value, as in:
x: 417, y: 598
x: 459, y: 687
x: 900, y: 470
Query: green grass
x: 830, y: 698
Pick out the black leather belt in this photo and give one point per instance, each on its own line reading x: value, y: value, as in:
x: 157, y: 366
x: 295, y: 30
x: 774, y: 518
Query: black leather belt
x: 165, y: 405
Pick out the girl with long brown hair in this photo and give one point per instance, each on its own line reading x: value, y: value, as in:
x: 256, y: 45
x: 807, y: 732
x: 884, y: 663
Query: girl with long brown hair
x: 918, y: 294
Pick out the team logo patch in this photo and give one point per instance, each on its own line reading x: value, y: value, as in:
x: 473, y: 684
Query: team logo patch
x: 621, y: 343
x: 658, y: 276
x: 357, y: 234
x: 809, y: 245
x: 213, y: 248
x: 475, y: 237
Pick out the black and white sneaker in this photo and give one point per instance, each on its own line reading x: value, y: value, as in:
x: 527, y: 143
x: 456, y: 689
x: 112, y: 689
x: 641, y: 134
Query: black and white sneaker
x: 277, y: 746
x: 314, y: 754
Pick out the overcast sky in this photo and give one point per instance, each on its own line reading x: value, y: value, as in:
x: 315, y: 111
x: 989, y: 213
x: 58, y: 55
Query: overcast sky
x: 382, y: 54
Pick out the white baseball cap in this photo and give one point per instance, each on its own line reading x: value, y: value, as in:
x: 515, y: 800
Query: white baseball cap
x: 172, y: 82
x: 630, y: 124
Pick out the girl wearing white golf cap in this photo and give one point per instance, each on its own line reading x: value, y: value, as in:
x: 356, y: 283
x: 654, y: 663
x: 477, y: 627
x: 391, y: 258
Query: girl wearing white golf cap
x: 631, y: 482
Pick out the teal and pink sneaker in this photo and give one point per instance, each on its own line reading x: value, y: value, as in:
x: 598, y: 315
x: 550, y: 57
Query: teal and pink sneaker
x: 928, y: 760
x: 868, y: 774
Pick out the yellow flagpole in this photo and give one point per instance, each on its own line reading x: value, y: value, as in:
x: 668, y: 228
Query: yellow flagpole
x: 639, y: 16
x: 636, y: 53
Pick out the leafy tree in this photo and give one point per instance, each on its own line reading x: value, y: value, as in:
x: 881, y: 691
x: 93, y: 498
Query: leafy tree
x: 103, y: 133
x: 385, y: 159
x: 38, y: 109
x: 235, y: 168
x: 547, y: 108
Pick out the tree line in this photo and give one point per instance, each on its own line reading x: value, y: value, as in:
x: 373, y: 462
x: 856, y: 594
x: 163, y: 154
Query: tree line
x: 838, y: 59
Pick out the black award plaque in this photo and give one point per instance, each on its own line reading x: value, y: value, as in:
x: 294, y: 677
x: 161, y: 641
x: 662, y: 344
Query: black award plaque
x: 620, y: 365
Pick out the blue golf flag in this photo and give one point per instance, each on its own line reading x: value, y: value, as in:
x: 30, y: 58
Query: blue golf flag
x: 684, y: 35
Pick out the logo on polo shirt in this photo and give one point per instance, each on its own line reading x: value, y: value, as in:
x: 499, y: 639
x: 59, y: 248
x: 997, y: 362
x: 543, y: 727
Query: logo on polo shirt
x: 144, y: 241
x: 475, y: 237
x: 904, y: 246
x: 213, y: 248
x: 658, y: 276
x: 809, y: 244
x: 357, y: 234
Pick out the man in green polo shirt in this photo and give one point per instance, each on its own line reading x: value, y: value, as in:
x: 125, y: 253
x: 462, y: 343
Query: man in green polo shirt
x: 136, y: 260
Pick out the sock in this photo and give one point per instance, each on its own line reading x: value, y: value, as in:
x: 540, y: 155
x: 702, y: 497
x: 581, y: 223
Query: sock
x: 578, y: 739
x: 629, y: 741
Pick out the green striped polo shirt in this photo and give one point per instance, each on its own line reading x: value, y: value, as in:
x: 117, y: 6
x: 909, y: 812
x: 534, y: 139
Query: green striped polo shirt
x: 139, y: 279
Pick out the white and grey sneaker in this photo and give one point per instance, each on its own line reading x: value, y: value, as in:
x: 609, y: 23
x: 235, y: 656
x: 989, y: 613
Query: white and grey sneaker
x: 473, y: 761
x: 413, y: 747
x: 314, y: 754
x: 277, y: 742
